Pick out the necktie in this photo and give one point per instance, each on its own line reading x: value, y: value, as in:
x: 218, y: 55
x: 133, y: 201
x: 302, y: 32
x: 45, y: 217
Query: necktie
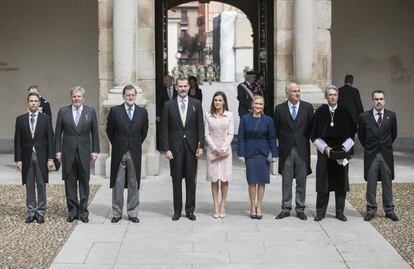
x: 130, y: 113
x: 169, y: 93
x: 77, y: 116
x: 32, y: 119
x: 294, y: 112
x: 379, y: 120
x: 182, y: 106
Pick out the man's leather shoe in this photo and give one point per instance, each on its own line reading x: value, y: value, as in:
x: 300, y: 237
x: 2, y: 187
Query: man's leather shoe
x: 318, y: 218
x: 134, y: 219
x: 30, y: 219
x: 392, y: 217
x: 341, y: 217
x: 176, y: 217
x: 369, y: 217
x: 40, y: 219
x: 191, y: 216
x: 115, y: 219
x: 71, y: 219
x: 301, y: 216
x: 282, y: 215
x: 84, y: 219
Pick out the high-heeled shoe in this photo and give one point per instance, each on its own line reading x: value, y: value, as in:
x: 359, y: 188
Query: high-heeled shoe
x: 222, y: 214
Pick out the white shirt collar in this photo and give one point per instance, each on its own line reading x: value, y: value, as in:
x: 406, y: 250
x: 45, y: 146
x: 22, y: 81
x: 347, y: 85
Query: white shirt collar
x: 179, y: 99
x: 332, y: 109
x: 127, y: 106
x: 291, y: 105
x: 36, y: 113
x: 80, y: 108
x: 375, y: 112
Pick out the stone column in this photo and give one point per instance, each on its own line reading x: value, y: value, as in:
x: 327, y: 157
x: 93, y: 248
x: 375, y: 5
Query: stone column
x: 124, y: 34
x: 304, y: 64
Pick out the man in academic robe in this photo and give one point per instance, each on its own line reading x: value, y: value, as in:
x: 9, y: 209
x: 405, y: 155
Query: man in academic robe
x: 127, y: 129
x: 34, y: 154
x: 77, y: 145
x: 332, y: 131
x: 377, y: 132
x: 183, y: 141
x: 292, y: 121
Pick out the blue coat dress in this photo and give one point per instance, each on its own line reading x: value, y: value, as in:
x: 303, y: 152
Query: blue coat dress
x: 256, y: 139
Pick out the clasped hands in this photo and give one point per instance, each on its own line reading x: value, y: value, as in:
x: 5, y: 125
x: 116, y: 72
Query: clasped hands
x: 170, y: 156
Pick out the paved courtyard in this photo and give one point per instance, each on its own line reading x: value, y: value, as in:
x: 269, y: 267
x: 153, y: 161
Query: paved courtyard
x: 233, y: 242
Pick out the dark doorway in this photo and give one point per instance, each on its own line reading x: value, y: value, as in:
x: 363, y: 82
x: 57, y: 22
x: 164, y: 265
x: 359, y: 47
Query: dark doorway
x: 260, y: 14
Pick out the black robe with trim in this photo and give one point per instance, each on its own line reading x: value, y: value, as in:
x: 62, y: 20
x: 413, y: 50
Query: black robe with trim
x: 331, y: 176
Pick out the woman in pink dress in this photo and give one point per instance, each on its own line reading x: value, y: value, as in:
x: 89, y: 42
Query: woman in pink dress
x: 219, y: 130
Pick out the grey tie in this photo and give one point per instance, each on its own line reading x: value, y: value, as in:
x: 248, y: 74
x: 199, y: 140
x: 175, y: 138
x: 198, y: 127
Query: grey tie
x: 130, y: 113
x: 77, y: 116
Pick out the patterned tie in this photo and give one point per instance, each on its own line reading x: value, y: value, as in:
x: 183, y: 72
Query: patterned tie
x: 32, y: 119
x: 130, y: 113
x: 379, y: 120
x: 77, y: 116
x: 294, y: 112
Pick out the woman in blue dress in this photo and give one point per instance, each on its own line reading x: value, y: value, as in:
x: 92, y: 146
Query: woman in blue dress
x: 256, y: 139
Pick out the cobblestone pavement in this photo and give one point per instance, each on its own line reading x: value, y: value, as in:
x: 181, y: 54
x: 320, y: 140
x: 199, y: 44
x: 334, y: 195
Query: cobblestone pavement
x: 400, y: 234
x: 32, y: 245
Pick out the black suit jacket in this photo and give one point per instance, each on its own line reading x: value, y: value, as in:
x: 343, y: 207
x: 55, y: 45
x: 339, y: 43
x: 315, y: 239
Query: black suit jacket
x: 377, y: 139
x: 126, y: 135
x: 43, y: 142
x: 162, y: 97
x: 290, y: 133
x: 174, y: 133
x: 350, y: 99
x: 70, y: 138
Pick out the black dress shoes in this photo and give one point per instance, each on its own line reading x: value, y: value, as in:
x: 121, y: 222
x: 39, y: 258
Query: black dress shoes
x: 71, y: 219
x: 392, y: 217
x: 115, y: 219
x: 134, y: 219
x: 318, y: 218
x: 176, y: 217
x: 84, y: 219
x: 341, y: 217
x: 282, y: 215
x: 30, y: 219
x: 191, y: 216
x: 301, y: 216
x: 40, y: 219
x: 369, y: 217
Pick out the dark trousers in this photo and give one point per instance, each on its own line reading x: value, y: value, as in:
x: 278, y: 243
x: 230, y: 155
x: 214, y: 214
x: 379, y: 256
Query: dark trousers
x: 184, y: 165
x: 35, y: 180
x: 379, y: 169
x: 77, y: 208
x: 322, y: 200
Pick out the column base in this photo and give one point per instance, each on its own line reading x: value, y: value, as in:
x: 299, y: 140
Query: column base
x: 150, y: 165
x: 312, y: 94
x: 100, y: 165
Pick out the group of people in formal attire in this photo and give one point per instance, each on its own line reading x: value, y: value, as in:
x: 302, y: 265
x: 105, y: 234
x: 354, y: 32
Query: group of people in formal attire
x: 185, y: 130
